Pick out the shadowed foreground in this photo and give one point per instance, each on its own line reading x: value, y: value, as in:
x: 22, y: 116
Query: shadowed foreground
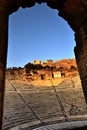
x: 35, y: 104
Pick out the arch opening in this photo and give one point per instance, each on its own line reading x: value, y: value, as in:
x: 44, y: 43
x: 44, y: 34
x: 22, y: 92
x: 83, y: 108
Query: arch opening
x: 35, y: 99
x: 58, y: 38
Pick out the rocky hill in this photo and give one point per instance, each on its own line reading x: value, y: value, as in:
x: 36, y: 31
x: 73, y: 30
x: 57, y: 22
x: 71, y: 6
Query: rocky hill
x: 66, y: 63
x: 45, y: 70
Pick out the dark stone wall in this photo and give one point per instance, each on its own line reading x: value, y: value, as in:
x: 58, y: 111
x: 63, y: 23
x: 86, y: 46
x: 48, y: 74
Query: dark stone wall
x: 3, y: 56
x: 80, y: 128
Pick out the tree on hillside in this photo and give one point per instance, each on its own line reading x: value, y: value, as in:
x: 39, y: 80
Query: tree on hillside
x: 61, y: 68
x: 72, y: 67
x: 31, y: 66
x: 38, y: 67
x: 28, y: 67
x: 48, y: 68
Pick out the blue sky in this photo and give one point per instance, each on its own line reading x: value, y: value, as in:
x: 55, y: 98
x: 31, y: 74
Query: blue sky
x: 38, y: 33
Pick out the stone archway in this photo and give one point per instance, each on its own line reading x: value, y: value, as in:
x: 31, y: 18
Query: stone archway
x: 73, y: 11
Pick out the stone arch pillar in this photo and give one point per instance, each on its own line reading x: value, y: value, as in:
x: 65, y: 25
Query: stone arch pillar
x: 3, y: 56
x: 81, y: 56
x: 73, y: 11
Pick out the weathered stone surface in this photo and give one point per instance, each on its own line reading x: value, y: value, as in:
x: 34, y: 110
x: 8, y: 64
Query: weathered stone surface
x: 30, y: 103
x: 3, y: 55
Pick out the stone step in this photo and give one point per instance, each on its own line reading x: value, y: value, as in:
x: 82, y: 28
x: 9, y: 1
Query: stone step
x: 8, y: 125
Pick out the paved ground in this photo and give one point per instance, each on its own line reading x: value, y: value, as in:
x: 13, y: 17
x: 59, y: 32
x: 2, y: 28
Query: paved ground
x: 55, y: 126
x: 62, y: 126
x: 27, y: 105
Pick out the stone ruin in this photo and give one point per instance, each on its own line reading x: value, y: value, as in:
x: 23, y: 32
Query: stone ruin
x: 73, y: 11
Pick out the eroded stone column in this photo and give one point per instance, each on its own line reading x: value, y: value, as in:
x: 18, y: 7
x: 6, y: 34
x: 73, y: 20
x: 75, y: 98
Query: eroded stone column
x: 3, y: 55
x: 81, y: 56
